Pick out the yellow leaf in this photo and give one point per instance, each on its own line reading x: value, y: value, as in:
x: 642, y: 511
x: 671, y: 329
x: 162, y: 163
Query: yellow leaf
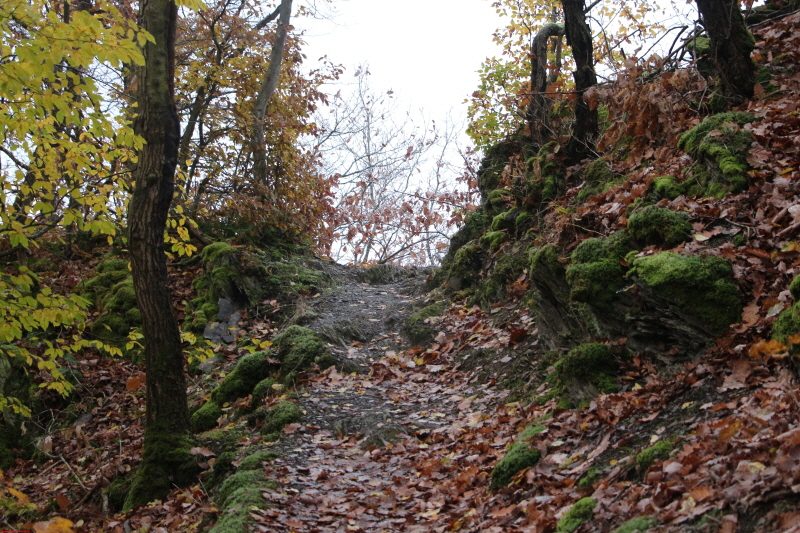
x: 20, y: 496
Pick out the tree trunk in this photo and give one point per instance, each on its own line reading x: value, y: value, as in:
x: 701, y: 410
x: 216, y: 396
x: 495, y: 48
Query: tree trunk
x: 579, y: 38
x: 731, y: 45
x: 166, y: 460
x: 540, y: 103
x: 265, y: 93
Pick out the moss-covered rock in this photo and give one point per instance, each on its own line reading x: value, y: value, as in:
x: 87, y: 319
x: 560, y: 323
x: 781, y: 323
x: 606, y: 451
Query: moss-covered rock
x: 595, y: 283
x: 417, y: 329
x: 647, y: 457
x: 787, y: 324
x: 640, y: 524
x: 250, y: 370
x: 492, y: 240
x: 297, y: 348
x: 206, y: 417
x: 505, y: 221
x: 240, y: 493
x: 592, y: 362
x: 659, y: 226
x: 521, y: 455
x: 246, y: 277
x: 255, y: 461
x: 464, y: 270
x: 720, y: 144
x: 701, y: 287
x: 613, y: 248
x: 262, y: 390
x: 111, y: 291
x: 273, y: 420
x: 579, y: 513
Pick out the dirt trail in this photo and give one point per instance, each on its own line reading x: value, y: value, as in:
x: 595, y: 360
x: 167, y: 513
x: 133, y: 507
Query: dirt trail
x: 345, y: 467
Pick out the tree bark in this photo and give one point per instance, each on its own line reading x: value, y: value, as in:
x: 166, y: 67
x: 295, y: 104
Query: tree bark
x: 540, y: 103
x: 579, y: 38
x: 731, y: 45
x: 265, y: 93
x: 166, y: 459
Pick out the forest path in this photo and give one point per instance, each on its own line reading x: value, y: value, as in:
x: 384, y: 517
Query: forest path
x: 347, y: 466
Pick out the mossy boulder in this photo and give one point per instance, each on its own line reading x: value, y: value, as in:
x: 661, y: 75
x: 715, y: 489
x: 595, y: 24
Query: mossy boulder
x: 595, y: 283
x: 250, y: 370
x: 272, y: 421
x: 297, y: 348
x: 521, y: 455
x: 505, y: 221
x: 787, y: 324
x: 659, y: 226
x: 720, y: 144
x: 506, y: 269
x: 464, y: 270
x: 614, y: 248
x: 112, y: 293
x: 590, y: 363
x: 246, y: 277
x: 255, y: 461
x: 579, y: 513
x: 417, y: 329
x: 701, y: 287
x: 240, y: 493
x: 493, y: 239
x: 262, y: 390
x: 206, y: 417
x: 640, y: 524
x: 495, y: 160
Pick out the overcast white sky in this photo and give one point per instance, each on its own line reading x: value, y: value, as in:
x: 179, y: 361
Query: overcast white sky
x: 426, y: 51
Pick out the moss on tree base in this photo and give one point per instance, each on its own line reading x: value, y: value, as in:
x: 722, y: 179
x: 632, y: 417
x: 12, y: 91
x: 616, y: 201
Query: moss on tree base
x: 167, y: 462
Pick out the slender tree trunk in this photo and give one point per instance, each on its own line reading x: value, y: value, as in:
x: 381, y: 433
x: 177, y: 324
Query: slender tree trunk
x: 166, y: 460
x: 265, y: 93
x: 539, y: 107
x: 731, y: 45
x: 579, y: 38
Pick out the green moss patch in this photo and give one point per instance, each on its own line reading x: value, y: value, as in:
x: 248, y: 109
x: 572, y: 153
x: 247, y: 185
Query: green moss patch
x: 416, y: 328
x: 647, y: 457
x: 592, y: 362
x: 111, y: 291
x: 579, y: 513
x: 701, y: 287
x: 167, y: 462
x: 238, y: 494
x: 272, y: 420
x: 263, y: 389
x: 614, y: 248
x: 297, y: 348
x: 521, y: 455
x: 640, y: 524
x: 256, y: 460
x: 667, y: 187
x: 250, y: 369
x: 659, y: 226
x: 595, y: 283
x: 720, y: 144
x: 206, y: 417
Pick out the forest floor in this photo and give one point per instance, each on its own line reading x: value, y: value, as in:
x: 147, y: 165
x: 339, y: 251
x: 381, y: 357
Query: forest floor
x: 409, y: 443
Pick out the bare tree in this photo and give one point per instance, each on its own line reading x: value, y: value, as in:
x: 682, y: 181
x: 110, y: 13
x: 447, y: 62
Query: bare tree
x: 396, y: 193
